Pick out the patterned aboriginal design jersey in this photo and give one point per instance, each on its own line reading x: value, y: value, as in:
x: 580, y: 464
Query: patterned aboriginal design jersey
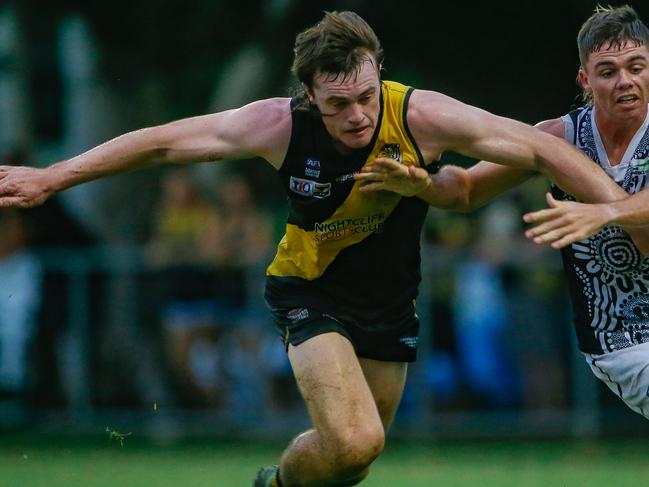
x: 607, y: 275
x: 344, y: 250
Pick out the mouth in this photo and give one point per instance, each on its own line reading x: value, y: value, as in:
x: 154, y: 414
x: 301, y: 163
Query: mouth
x: 627, y: 99
x: 358, y: 131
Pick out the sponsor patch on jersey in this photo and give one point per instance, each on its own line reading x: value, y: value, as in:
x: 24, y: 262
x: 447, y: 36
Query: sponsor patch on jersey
x: 346, y: 177
x: 306, y: 187
x: 343, y: 228
x: 312, y: 168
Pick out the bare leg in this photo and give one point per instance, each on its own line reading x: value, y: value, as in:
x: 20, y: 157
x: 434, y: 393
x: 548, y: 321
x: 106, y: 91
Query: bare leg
x: 348, y: 433
x: 386, y: 381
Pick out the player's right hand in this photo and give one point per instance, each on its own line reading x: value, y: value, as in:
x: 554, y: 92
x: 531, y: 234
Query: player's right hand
x: 24, y: 187
x: 565, y: 222
x: 386, y: 174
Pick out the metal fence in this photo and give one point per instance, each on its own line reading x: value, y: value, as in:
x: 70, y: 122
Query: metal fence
x: 105, y: 284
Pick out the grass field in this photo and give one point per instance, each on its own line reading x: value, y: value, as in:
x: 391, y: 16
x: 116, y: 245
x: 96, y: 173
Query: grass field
x: 102, y: 462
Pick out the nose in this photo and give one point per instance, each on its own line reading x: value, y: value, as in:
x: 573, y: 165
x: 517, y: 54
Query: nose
x: 356, y: 115
x: 626, y: 79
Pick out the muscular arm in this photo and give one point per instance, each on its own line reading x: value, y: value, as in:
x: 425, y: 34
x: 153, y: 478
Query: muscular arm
x: 440, y: 124
x: 452, y: 188
x: 464, y: 190
x: 260, y: 129
x: 461, y: 189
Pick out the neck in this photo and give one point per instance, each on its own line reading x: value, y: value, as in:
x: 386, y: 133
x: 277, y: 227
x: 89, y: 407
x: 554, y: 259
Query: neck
x: 616, y: 133
x: 342, y: 148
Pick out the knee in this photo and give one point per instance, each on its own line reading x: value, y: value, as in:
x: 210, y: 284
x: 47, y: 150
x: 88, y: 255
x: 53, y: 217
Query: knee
x: 356, y: 448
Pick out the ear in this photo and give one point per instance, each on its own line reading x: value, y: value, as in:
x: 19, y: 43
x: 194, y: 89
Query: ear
x: 309, y: 93
x: 582, y: 77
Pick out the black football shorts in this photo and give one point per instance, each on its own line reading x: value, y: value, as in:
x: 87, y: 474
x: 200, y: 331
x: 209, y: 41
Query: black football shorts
x: 392, y: 341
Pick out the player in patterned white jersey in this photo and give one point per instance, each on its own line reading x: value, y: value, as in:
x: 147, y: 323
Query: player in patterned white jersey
x: 608, y: 275
x: 345, y: 276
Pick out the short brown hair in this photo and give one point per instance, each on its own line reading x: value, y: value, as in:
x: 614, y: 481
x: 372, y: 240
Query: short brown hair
x: 615, y: 26
x: 338, y: 44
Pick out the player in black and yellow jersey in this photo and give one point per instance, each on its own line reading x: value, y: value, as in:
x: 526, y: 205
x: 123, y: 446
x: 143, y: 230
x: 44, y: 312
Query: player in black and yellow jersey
x: 343, y: 282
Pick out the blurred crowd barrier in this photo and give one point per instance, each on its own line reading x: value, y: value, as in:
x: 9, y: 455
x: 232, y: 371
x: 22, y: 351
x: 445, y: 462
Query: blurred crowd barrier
x: 496, y: 357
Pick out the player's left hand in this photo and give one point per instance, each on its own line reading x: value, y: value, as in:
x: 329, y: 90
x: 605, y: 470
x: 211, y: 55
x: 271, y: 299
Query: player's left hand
x: 565, y: 222
x: 389, y: 175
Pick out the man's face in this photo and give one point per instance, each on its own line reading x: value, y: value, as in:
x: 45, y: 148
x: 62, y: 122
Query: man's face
x: 349, y: 105
x: 618, y: 79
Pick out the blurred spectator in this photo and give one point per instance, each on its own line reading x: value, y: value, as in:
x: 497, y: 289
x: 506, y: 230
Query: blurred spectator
x: 472, y: 365
x: 246, y: 235
x: 483, y: 341
x: 184, y: 247
x: 204, y: 253
x: 246, y: 231
x: 21, y: 278
x: 46, y: 226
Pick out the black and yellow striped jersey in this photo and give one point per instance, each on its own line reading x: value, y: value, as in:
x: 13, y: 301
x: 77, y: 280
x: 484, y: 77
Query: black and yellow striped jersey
x: 343, y: 248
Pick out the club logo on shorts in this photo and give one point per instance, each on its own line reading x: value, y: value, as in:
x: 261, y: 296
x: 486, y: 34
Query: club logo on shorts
x: 410, y: 342
x: 310, y: 188
x: 297, y: 314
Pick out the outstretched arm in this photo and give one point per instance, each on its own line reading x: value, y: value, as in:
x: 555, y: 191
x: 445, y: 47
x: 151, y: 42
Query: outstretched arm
x: 452, y: 187
x: 260, y: 129
x: 440, y: 123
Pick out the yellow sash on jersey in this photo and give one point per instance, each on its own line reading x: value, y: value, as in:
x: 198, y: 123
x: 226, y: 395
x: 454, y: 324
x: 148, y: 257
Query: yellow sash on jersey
x: 306, y: 254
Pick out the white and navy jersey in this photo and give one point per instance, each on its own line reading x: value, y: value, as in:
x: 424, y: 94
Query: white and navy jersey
x: 607, y: 275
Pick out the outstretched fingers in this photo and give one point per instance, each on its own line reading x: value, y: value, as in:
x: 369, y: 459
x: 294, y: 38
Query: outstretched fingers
x: 385, y: 164
x: 371, y: 180
x: 565, y: 222
x: 12, y: 202
x: 551, y: 227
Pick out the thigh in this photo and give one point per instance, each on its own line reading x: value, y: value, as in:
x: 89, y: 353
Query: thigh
x: 626, y: 373
x: 331, y: 381
x: 386, y: 381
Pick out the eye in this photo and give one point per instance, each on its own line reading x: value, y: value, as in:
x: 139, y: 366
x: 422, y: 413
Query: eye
x: 365, y: 99
x: 607, y: 73
x: 637, y: 69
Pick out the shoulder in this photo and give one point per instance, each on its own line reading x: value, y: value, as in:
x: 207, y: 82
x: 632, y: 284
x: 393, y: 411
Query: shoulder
x: 269, y: 113
x: 430, y: 106
x: 267, y: 126
x: 555, y: 126
x: 437, y: 120
x: 440, y: 114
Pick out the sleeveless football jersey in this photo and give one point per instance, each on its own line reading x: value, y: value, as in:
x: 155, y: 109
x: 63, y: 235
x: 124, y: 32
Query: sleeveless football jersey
x: 344, y: 249
x: 607, y: 275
